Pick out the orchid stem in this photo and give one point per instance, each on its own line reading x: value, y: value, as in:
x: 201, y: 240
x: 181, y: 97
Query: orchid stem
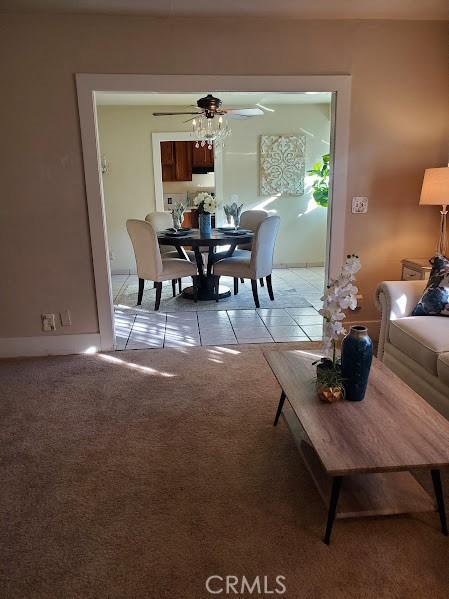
x: 334, y: 353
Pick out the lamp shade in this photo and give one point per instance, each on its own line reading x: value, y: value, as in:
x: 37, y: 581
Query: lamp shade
x: 435, y: 187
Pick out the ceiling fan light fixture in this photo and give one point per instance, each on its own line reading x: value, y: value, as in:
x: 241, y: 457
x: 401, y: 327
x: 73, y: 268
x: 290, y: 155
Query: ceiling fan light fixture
x: 209, y: 130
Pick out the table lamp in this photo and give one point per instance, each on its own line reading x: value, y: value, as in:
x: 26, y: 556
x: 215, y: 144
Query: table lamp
x: 435, y: 192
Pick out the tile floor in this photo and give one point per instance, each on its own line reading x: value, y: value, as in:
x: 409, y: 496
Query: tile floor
x: 208, y: 323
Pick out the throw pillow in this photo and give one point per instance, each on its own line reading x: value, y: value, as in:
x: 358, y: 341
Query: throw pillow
x: 435, y: 299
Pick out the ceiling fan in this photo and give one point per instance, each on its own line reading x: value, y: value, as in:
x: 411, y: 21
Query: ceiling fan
x: 210, y: 107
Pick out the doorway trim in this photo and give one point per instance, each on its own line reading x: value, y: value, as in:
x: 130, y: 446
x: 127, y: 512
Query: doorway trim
x: 88, y: 84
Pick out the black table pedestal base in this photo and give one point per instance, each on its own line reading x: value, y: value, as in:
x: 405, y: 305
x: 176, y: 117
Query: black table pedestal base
x: 206, y: 290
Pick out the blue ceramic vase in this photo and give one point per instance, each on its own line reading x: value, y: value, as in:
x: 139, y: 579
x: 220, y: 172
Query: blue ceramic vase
x: 205, y: 222
x: 356, y: 358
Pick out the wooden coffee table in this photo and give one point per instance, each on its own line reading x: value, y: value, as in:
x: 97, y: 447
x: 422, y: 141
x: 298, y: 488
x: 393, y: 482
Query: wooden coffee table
x: 360, y: 454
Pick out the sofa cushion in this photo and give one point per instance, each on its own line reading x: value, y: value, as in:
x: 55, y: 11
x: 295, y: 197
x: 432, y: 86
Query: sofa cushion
x: 422, y: 339
x: 443, y: 368
x: 435, y: 299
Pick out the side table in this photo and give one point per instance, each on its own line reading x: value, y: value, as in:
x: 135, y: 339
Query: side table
x: 415, y: 269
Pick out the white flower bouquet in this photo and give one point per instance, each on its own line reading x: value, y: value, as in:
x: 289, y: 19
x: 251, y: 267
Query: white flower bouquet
x: 340, y: 295
x: 205, y: 203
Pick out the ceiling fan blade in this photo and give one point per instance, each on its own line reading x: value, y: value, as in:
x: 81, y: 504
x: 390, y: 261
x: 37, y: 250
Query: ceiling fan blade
x: 236, y: 117
x: 245, y: 112
x: 173, y: 113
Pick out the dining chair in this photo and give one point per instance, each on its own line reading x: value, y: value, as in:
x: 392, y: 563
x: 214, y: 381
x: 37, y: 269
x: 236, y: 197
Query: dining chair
x: 160, y: 222
x: 252, y: 265
x: 250, y: 219
x: 150, y: 264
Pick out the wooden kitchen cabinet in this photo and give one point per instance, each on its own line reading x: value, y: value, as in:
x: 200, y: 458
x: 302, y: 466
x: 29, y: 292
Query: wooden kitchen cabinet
x: 167, y: 153
x: 202, y: 157
x: 176, y: 160
x: 183, y: 161
x: 168, y: 160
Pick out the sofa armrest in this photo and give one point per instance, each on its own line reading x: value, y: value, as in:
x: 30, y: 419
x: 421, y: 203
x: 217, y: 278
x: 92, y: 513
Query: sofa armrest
x: 396, y: 299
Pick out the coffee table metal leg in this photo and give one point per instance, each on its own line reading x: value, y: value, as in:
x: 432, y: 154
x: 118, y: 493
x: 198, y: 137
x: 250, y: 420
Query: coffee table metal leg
x: 280, y: 406
x: 336, y: 485
x: 438, y: 489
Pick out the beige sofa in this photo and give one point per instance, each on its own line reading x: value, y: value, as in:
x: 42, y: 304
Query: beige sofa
x: 416, y: 348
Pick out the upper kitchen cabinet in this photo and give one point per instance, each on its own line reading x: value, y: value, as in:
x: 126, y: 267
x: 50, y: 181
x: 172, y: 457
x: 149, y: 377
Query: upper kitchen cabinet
x: 176, y: 160
x: 202, y: 158
x: 168, y: 160
x: 183, y: 161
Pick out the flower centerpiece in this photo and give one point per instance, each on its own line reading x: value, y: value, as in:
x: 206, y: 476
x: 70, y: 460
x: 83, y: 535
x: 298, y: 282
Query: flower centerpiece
x: 340, y: 295
x: 206, y: 206
x: 205, y: 203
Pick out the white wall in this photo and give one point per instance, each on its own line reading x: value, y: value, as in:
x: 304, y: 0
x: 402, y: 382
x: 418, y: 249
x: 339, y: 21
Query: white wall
x: 125, y: 140
x: 302, y: 233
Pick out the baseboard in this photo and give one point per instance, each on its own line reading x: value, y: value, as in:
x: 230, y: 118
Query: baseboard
x: 373, y: 327
x: 132, y: 271
x: 298, y: 265
x: 122, y: 271
x: 51, y: 345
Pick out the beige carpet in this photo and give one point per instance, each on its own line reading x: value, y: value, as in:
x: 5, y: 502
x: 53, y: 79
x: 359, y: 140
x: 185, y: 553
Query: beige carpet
x: 139, y: 474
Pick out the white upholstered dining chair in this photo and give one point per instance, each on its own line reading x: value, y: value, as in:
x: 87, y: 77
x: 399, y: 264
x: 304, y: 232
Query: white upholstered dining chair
x: 252, y: 265
x: 151, y: 266
x: 160, y: 222
x: 250, y: 219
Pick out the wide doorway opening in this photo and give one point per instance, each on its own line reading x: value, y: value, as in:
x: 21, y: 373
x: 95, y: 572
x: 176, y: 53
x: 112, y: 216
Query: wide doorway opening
x: 275, y: 159
x: 284, y: 157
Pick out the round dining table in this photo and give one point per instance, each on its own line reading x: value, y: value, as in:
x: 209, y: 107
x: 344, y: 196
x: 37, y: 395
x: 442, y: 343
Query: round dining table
x: 198, y: 243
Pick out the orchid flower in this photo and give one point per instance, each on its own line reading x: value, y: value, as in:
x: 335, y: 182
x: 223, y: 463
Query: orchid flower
x: 340, y: 295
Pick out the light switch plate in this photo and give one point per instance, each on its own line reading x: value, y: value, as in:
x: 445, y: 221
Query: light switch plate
x: 66, y: 319
x: 360, y: 205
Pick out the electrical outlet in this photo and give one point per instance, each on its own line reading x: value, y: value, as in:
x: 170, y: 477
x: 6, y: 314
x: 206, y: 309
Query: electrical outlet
x: 66, y: 319
x: 360, y: 205
x: 48, y: 322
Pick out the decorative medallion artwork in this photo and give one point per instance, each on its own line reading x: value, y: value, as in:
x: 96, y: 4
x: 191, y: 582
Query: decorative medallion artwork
x: 282, y: 164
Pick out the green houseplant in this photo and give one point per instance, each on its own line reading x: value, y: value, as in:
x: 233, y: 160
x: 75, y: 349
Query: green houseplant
x: 320, y: 185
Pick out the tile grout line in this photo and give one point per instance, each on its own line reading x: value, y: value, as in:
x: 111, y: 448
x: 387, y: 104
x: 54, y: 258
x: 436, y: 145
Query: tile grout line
x: 228, y: 321
x: 199, y: 328
x: 121, y: 288
x: 264, y: 324
x: 232, y: 327
x: 130, y: 331
x: 165, y: 330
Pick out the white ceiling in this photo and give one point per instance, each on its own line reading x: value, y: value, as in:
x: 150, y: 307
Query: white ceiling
x: 230, y: 99
x: 302, y: 9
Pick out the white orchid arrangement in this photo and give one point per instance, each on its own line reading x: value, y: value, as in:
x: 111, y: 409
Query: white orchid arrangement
x: 205, y: 203
x: 340, y: 295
